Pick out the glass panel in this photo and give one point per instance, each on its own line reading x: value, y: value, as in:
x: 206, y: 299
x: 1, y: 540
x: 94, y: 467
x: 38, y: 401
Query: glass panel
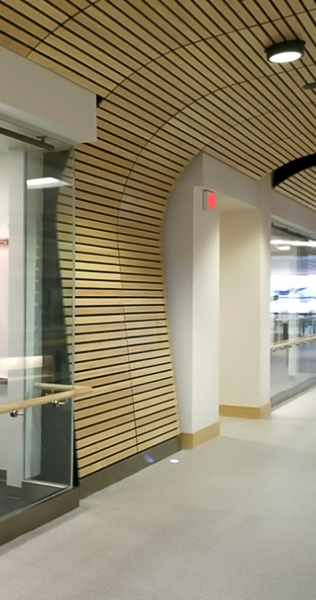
x: 36, y: 319
x: 293, y: 314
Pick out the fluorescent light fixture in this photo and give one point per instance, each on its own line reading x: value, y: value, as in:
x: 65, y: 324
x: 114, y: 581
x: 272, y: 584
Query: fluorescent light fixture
x: 283, y: 248
x: 285, y: 51
x: 302, y: 243
x: 45, y: 182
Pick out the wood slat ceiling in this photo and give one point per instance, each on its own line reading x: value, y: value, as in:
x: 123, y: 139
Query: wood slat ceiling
x: 176, y: 77
x: 182, y: 75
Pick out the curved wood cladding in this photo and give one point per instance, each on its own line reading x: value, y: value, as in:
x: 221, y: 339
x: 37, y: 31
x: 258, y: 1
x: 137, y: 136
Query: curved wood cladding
x: 121, y: 337
x: 176, y: 77
x: 122, y: 342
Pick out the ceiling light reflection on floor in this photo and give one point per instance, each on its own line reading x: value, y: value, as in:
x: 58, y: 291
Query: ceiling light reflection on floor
x: 174, y: 461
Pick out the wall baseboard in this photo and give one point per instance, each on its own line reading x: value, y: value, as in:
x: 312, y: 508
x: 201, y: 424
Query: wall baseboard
x: 129, y: 466
x: 22, y: 521
x: 13, y: 492
x: 290, y: 393
x: 33, y: 491
x: 192, y: 440
x: 245, y: 412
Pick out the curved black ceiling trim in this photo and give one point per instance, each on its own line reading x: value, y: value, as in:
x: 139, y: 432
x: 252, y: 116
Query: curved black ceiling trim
x: 293, y: 167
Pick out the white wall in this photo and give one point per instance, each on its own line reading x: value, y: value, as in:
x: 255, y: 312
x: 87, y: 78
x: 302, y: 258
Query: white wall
x: 217, y: 269
x: 31, y: 95
x: 239, y: 314
x: 178, y: 270
x: 229, y: 183
x: 205, y: 312
x: 265, y: 203
x: 245, y: 304
x: 191, y: 267
x: 293, y: 214
x: 202, y: 351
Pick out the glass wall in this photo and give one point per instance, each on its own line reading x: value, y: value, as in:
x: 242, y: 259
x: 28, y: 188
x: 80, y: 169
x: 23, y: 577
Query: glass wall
x: 293, y: 314
x: 36, y: 319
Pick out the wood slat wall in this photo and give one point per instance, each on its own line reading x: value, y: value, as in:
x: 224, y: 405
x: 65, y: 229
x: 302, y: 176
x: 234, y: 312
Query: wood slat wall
x: 121, y: 336
x: 122, y: 340
x: 177, y: 77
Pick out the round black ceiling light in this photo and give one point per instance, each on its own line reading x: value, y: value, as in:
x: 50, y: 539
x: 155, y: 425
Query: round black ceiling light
x: 285, y: 51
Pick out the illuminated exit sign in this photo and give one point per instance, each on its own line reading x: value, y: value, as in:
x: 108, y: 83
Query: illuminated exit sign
x: 209, y: 199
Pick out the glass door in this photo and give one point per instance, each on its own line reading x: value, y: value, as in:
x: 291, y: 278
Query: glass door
x: 37, y: 271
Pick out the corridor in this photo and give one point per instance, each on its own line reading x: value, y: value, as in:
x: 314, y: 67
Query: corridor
x: 234, y: 519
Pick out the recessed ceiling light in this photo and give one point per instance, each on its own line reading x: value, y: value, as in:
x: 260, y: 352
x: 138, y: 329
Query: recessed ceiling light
x: 285, y: 51
x: 45, y: 182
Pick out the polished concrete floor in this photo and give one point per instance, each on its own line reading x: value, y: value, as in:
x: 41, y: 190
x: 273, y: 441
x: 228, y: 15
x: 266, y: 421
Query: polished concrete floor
x: 235, y: 519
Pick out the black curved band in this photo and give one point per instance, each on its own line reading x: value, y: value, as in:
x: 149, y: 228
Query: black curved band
x: 293, y: 167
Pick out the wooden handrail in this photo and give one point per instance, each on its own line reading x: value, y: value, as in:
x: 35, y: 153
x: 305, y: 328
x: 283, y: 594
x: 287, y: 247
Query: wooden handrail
x: 298, y: 341
x: 57, y: 387
x: 72, y: 392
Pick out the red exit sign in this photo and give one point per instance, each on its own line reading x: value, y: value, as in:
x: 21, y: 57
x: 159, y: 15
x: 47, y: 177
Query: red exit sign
x: 209, y: 199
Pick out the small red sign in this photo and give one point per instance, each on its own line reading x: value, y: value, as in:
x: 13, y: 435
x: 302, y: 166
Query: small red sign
x: 211, y: 200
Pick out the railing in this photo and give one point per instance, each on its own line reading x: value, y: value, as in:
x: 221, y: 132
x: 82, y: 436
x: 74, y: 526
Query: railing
x: 298, y: 341
x: 66, y: 392
x: 55, y: 387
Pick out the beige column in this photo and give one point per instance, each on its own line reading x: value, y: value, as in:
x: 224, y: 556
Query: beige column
x: 191, y: 266
x: 245, y: 309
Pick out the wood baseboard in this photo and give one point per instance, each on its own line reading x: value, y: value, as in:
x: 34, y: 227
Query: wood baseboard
x: 192, y: 440
x: 245, y: 412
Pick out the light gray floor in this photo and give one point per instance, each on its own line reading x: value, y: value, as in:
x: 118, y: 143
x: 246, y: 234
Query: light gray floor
x: 234, y: 520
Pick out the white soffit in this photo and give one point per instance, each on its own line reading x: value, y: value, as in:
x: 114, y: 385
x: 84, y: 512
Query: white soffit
x: 238, y: 188
x: 292, y: 214
x: 32, y: 95
x: 228, y: 203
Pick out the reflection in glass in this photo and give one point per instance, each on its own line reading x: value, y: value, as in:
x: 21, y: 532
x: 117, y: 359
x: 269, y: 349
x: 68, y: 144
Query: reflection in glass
x: 36, y: 320
x: 293, y: 314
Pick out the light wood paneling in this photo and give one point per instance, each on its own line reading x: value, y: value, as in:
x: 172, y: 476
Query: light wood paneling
x: 176, y: 77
